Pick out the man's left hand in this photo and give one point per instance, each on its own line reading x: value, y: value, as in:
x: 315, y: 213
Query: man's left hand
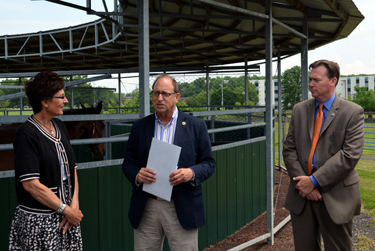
x: 180, y: 176
x: 315, y: 195
x: 304, y: 185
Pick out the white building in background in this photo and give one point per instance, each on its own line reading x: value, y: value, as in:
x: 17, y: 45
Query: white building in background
x: 344, y: 88
x: 261, y: 88
x: 346, y: 85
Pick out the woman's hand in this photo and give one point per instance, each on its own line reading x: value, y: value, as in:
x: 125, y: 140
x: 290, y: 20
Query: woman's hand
x: 72, y: 213
x: 73, y: 216
x: 44, y: 195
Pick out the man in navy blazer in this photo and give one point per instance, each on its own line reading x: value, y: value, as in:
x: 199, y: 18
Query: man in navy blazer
x: 150, y: 216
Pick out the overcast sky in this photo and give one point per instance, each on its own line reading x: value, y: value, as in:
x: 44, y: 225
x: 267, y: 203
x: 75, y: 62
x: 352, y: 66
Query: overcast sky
x: 355, y: 54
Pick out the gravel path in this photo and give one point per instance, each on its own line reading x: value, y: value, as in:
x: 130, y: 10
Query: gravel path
x: 363, y: 225
x: 368, y: 157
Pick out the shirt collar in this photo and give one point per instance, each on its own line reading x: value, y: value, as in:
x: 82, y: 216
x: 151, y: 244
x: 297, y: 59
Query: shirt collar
x: 328, y: 103
x: 174, y: 115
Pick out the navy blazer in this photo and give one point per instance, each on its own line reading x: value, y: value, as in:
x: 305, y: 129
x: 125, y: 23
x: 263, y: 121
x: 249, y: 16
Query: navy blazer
x: 191, y: 135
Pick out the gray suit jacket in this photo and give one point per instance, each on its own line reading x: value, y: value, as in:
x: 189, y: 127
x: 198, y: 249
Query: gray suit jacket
x: 338, y: 150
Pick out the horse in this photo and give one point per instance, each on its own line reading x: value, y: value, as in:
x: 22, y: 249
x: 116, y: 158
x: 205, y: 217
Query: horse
x: 76, y: 130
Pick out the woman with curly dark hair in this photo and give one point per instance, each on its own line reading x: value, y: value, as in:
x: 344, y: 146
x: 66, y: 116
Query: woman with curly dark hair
x: 47, y: 216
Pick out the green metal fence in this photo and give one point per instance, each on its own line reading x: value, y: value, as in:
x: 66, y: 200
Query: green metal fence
x: 234, y: 196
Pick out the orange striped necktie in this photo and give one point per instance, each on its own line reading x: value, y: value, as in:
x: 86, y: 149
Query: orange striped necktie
x: 317, y: 126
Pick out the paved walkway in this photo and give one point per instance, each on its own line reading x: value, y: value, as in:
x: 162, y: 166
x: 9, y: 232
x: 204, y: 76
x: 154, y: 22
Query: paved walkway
x: 368, y: 157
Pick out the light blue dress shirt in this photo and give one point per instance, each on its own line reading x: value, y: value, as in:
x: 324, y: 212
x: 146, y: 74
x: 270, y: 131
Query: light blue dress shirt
x: 326, y: 107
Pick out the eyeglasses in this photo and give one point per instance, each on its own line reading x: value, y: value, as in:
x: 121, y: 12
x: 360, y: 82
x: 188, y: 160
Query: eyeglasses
x: 60, y: 97
x: 164, y: 94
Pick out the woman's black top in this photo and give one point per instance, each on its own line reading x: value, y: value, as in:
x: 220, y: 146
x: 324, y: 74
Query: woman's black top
x: 38, y: 155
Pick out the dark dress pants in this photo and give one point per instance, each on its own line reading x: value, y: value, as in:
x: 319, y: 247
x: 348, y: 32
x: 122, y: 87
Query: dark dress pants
x: 314, y: 222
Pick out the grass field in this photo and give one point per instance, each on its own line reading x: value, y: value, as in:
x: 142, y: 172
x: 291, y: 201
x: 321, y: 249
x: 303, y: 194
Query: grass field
x: 366, y: 171
x: 12, y: 113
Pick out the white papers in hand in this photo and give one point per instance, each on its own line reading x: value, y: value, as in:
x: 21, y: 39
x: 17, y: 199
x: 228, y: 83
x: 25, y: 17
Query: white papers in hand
x: 163, y: 159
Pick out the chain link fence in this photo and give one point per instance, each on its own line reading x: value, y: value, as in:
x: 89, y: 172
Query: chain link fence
x: 226, y: 92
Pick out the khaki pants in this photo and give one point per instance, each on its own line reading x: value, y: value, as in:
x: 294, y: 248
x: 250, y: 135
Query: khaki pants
x: 159, y: 220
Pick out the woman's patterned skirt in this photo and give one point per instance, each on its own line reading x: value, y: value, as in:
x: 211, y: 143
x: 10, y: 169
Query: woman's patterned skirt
x: 41, y: 232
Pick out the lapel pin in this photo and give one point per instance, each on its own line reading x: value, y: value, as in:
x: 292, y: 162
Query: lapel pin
x: 332, y: 114
x: 184, y: 123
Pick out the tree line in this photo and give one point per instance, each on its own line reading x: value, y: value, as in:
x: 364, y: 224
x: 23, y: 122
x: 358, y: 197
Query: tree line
x: 194, y: 94
x: 230, y: 90
x: 291, y: 85
x: 85, y: 96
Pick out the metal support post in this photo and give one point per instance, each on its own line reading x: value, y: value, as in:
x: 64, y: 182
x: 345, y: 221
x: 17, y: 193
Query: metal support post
x: 119, y: 94
x: 279, y: 106
x: 144, y: 57
x: 208, y: 86
x: 213, y: 127
x: 71, y: 94
x: 108, y: 145
x: 21, y: 103
x: 269, y: 122
x: 248, y: 117
x: 222, y: 98
x: 304, y: 64
x: 246, y: 83
x: 210, y: 118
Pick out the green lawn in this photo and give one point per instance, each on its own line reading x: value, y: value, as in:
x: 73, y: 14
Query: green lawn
x: 366, y: 171
x: 17, y: 112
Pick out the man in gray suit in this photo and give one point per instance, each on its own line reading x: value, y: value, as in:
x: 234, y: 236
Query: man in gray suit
x: 324, y: 198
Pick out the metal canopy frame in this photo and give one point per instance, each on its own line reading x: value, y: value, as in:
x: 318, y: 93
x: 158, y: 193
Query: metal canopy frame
x: 181, y: 33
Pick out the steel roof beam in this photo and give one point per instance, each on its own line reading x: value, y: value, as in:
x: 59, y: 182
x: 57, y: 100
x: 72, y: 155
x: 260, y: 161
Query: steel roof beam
x: 336, y: 7
x: 92, y: 88
x: 75, y: 6
x: 11, y: 87
x: 67, y: 61
x: 252, y: 13
x: 116, y: 71
x: 195, y: 18
x: 25, y: 63
x: 67, y: 84
x: 52, y: 35
x: 312, y: 19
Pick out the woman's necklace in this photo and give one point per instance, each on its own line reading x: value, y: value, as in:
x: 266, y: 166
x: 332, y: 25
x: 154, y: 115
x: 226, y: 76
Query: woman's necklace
x: 49, y: 128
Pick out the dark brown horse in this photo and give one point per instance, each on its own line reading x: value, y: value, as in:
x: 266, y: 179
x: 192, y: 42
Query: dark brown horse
x: 76, y: 130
